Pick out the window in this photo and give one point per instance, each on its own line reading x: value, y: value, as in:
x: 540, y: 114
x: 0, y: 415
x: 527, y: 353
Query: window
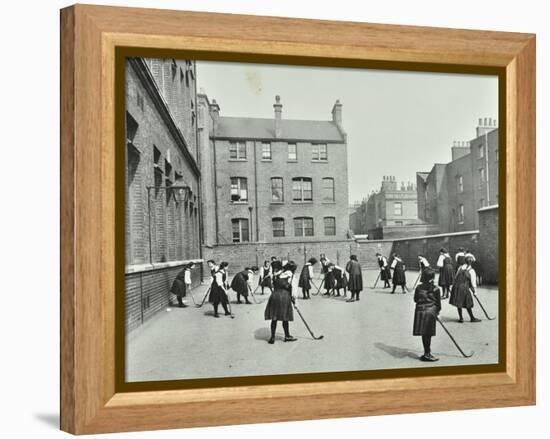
x: 140, y: 101
x: 330, y: 226
x: 398, y: 208
x: 319, y: 152
x: 398, y: 223
x: 292, y: 152
x: 303, y: 226
x: 461, y: 214
x: 496, y: 155
x: 131, y: 128
x: 266, y: 151
x: 481, y: 149
x: 157, y: 166
x: 240, y: 229
x: 301, y: 189
x: 239, y: 189
x: 482, y: 175
x: 278, y: 227
x: 328, y: 189
x: 237, y: 151
x: 460, y: 184
x: 277, y: 194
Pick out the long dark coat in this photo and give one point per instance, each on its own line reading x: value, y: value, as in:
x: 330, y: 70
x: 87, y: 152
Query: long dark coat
x: 217, y: 293
x: 428, y: 305
x: 355, y: 283
x: 178, y: 286
x: 330, y: 280
x: 279, y: 304
x: 240, y: 284
x: 446, y: 273
x: 304, y: 282
x: 461, y: 296
x: 399, y: 274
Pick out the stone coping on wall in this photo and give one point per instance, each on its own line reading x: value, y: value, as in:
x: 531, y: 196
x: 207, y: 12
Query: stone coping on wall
x: 139, y: 268
x: 415, y: 238
x: 483, y: 209
x: 331, y: 241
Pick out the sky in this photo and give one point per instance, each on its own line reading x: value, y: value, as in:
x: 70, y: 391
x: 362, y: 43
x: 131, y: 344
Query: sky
x: 397, y: 123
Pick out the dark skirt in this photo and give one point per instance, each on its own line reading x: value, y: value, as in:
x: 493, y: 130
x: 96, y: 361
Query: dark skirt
x: 341, y: 282
x: 355, y: 283
x: 424, y: 319
x: 461, y: 297
x: 446, y: 276
x: 279, y: 306
x: 266, y: 283
x: 239, y: 285
x: 178, y: 287
x: 399, y: 276
x: 217, y: 295
x: 385, y: 274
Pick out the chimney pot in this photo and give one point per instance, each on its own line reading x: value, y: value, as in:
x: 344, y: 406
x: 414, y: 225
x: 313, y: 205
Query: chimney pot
x: 278, y: 107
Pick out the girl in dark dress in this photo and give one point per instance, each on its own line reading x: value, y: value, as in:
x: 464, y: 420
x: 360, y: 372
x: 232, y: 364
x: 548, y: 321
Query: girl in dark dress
x: 330, y: 279
x: 385, y: 272
x: 305, y: 278
x: 428, y: 305
x: 398, y: 273
x: 463, y: 288
x: 240, y: 284
x: 355, y: 282
x: 341, y: 282
x: 423, y: 264
x: 446, y: 272
x: 279, y: 305
x: 218, y: 292
x: 460, y: 257
x: 181, y: 284
x: 266, y: 277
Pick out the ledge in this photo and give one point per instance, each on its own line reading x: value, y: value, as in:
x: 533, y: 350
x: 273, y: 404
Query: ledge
x: 140, y: 268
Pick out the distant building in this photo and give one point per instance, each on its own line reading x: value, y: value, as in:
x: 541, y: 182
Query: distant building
x: 272, y: 180
x: 451, y: 194
x: 389, y: 213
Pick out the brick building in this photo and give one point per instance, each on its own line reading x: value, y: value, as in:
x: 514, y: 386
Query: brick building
x: 451, y: 194
x: 272, y: 180
x: 162, y: 181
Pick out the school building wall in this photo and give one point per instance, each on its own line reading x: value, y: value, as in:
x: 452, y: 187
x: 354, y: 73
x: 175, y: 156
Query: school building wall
x: 488, y: 255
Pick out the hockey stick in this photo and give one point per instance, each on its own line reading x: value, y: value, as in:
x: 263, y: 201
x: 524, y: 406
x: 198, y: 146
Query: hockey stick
x: 417, y: 279
x: 305, y: 323
x: 252, y: 294
x: 483, y: 309
x: 452, y: 338
x: 376, y: 282
x: 319, y: 287
x: 204, y: 298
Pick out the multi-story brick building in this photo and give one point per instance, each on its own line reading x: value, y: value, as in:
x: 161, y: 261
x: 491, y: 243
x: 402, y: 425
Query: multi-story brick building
x: 273, y: 180
x: 451, y: 194
x: 162, y: 181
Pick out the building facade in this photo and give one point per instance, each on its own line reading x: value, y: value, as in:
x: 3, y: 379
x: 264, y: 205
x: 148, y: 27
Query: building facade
x: 273, y: 180
x: 162, y: 181
x: 451, y: 194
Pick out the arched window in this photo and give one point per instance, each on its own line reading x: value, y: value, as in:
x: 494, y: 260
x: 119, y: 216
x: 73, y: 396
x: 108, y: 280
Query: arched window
x: 303, y: 226
x: 328, y: 189
x: 277, y: 194
x: 278, y: 227
x: 240, y: 230
x: 302, y: 189
x: 330, y: 225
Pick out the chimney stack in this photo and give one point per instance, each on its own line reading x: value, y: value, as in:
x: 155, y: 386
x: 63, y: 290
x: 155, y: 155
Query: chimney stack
x: 214, y: 110
x: 278, y: 107
x: 485, y: 125
x: 337, y: 113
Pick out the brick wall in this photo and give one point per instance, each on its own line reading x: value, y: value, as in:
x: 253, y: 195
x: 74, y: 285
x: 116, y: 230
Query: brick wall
x: 148, y: 291
x: 488, y: 255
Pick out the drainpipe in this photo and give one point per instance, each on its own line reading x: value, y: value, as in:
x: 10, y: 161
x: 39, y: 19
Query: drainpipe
x: 256, y: 195
x: 487, y: 170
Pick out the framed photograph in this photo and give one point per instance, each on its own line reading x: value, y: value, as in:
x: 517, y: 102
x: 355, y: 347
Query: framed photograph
x: 291, y: 216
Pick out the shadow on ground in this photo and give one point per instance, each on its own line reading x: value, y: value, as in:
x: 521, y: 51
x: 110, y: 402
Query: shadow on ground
x: 397, y: 352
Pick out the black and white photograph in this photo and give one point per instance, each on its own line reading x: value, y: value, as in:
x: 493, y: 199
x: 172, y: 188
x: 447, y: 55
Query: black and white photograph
x: 287, y: 219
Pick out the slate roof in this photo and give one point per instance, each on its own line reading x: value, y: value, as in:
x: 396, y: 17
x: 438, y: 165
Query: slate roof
x: 264, y: 129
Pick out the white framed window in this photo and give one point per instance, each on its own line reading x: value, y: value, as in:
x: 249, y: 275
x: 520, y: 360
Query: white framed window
x: 460, y: 213
x: 240, y: 230
x: 319, y: 152
x: 277, y: 193
x: 330, y: 225
x: 328, y: 189
x: 237, y: 150
x: 481, y: 151
x: 398, y: 208
x: 302, y: 189
x: 460, y: 184
x: 266, y: 151
x: 292, y: 152
x: 278, y: 227
x: 239, y: 189
x: 482, y: 175
x: 303, y: 226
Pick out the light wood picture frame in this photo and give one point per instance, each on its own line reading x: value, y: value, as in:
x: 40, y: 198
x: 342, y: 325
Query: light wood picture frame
x: 91, y: 39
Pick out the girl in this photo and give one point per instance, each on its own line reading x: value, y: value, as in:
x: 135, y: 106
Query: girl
x: 398, y: 273
x: 422, y: 265
x: 355, y: 284
x: 428, y: 305
x: 446, y: 272
x: 182, y: 284
x: 266, y: 276
x: 463, y: 288
x: 279, y: 305
x: 385, y: 272
x: 218, y: 292
x: 240, y: 284
x: 305, y: 277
